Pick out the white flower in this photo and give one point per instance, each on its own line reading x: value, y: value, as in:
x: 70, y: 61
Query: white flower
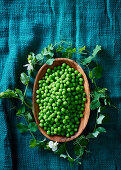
x: 53, y: 145
x: 29, y: 66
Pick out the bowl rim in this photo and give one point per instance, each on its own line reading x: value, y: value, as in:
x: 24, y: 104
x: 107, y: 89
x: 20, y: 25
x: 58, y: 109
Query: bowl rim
x: 87, y: 104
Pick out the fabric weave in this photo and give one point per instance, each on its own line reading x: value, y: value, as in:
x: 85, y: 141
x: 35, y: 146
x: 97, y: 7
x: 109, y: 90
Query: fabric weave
x: 27, y: 26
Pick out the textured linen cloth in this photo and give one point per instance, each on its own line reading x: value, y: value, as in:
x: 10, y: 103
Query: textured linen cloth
x: 30, y: 25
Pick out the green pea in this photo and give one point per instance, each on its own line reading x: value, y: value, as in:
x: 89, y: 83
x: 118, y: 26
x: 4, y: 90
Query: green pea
x: 48, y: 132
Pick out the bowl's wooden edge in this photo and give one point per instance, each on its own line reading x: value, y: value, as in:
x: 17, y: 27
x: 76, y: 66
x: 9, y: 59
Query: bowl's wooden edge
x: 87, y: 104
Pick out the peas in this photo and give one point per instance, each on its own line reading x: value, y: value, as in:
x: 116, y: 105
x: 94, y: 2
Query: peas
x: 61, y: 100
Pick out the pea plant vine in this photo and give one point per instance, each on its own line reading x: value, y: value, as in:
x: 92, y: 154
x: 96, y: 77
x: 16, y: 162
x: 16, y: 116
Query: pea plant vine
x: 99, y: 98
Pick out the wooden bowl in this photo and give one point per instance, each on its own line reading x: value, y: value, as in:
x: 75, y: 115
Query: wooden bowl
x: 84, y: 120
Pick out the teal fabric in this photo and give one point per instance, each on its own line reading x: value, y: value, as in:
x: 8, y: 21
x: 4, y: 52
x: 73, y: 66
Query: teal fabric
x: 30, y: 25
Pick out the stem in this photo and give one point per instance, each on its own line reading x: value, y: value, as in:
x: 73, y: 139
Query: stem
x: 29, y: 130
x: 96, y: 61
x: 32, y: 134
x: 96, y: 122
x: 94, y: 83
x: 26, y: 87
x: 27, y: 105
x: 25, y: 90
x: 88, y: 51
x: 60, y: 42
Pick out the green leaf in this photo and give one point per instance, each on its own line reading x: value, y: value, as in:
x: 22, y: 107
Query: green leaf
x: 96, y: 50
x: 87, y: 60
x: 98, y: 93
x: 82, y: 49
x: 50, y: 54
x: 24, y: 78
x: 33, y: 127
x: 44, y: 51
x: 21, y: 110
x: 28, y: 116
x: 78, y: 150
x: 63, y: 156
x: 60, y: 48
x: 22, y: 128
x: 67, y: 55
x: 100, y: 119
x: 8, y: 94
x: 50, y: 47
x: 74, y: 50
x: 94, y: 104
x: 43, y: 144
x: 61, y: 149
x: 82, y: 140
x: 69, y: 49
x: 19, y: 93
x: 101, y: 129
x: 34, y: 143
x: 50, y: 61
x: 90, y: 135
x: 91, y: 76
x: 39, y: 57
x: 98, y: 131
x: 97, y: 72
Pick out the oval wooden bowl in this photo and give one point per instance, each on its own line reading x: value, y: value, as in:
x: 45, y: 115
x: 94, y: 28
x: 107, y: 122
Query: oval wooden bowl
x: 84, y: 120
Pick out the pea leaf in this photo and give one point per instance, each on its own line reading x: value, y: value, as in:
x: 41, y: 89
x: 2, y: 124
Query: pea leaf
x: 8, y: 94
x: 39, y: 57
x: 87, y: 60
x: 74, y: 50
x: 33, y: 127
x: 44, y: 51
x: 60, y: 48
x: 96, y: 50
x: 91, y: 76
x: 101, y: 129
x: 82, y: 49
x: 100, y: 119
x: 69, y: 49
x: 24, y: 78
x: 22, y: 128
x: 97, y: 72
x: 82, y: 140
x: 43, y: 144
x: 50, y: 47
x: 34, y: 143
x: 98, y: 131
x: 19, y: 93
x: 21, y: 110
x: 67, y: 55
x: 61, y: 149
x: 98, y: 93
x: 50, y: 54
x: 94, y: 104
x: 78, y: 150
x: 28, y: 116
x: 63, y: 156
x: 50, y: 61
